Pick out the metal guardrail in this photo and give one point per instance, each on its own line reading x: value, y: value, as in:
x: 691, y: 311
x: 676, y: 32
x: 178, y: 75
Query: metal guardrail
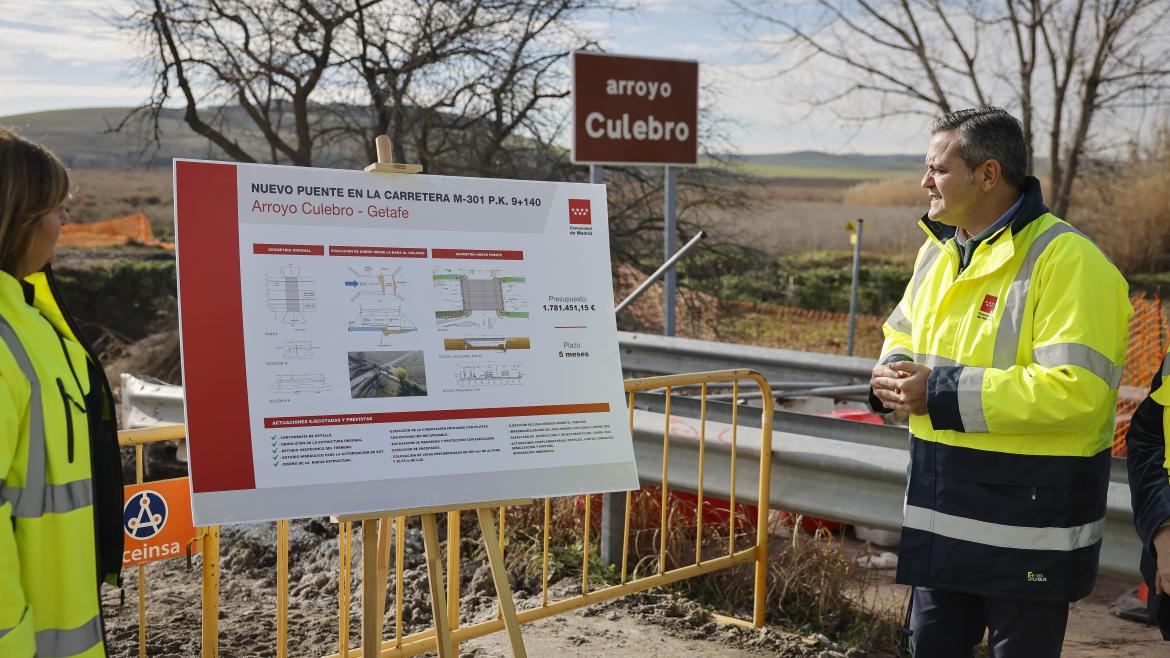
x: 826, y: 467
x: 148, y: 403
x: 649, y: 353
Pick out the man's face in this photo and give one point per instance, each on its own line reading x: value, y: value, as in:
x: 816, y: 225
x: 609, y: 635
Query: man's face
x: 949, y: 182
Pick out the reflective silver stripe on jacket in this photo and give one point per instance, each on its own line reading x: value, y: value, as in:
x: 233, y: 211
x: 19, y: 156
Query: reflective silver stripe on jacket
x: 970, y: 395
x: 58, y: 498
x: 1075, y: 354
x: 36, y: 498
x: 28, y: 501
x: 934, y: 361
x: 62, y: 642
x: 898, y: 320
x: 1007, y: 335
x: 924, y: 265
x: 1003, y: 536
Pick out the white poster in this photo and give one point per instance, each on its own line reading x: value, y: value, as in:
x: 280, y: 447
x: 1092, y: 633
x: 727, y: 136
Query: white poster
x: 394, y: 341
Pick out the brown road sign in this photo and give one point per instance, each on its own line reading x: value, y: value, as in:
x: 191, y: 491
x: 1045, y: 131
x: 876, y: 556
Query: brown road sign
x: 634, y: 110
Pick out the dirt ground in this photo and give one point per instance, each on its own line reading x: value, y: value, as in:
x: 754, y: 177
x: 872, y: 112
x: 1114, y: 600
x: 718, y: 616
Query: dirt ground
x: 1093, y: 632
x: 644, y: 625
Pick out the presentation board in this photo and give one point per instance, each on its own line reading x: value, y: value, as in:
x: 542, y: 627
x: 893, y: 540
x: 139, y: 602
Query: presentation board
x: 358, y: 342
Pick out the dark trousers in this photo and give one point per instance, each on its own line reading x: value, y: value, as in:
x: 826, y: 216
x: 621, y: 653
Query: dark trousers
x: 947, y: 624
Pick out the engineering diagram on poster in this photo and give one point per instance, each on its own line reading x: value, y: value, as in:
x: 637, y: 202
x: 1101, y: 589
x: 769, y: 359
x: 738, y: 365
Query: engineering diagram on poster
x: 386, y: 321
x: 487, y: 343
x: 376, y: 282
x: 290, y: 295
x: 307, y: 383
x: 478, y: 299
x: 378, y: 293
x: 490, y: 374
x: 297, y: 349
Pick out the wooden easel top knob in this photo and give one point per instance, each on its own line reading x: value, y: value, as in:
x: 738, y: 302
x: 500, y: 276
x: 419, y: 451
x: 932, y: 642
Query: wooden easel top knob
x: 385, y: 163
x: 385, y: 150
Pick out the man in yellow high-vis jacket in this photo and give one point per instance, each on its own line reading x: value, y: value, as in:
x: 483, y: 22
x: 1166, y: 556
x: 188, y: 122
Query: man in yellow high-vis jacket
x: 1006, y: 352
x: 60, y: 476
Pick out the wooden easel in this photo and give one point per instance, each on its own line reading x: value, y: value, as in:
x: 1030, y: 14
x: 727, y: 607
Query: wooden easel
x: 376, y: 534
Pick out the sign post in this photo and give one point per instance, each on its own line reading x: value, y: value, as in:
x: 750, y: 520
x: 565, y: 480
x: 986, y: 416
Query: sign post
x: 670, y: 245
x: 639, y: 111
x: 855, y: 239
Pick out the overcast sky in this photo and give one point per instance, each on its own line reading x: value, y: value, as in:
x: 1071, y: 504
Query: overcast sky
x: 63, y: 54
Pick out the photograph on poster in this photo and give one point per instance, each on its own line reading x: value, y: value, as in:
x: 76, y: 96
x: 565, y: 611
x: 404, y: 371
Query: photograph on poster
x: 387, y: 374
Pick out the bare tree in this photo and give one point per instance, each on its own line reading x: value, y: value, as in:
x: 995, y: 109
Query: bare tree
x: 470, y: 87
x: 1061, y: 64
x: 467, y: 87
x: 462, y: 86
x: 270, y: 61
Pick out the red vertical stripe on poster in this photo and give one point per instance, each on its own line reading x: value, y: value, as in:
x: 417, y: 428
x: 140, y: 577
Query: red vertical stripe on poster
x: 212, y: 322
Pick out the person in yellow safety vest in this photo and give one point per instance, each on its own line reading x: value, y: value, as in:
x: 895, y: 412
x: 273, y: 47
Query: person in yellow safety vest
x: 1006, y: 352
x: 1149, y: 487
x: 60, y: 473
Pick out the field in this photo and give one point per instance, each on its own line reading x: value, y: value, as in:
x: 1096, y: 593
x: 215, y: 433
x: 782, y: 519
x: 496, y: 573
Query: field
x: 852, y: 174
x: 100, y: 194
x: 833, y: 166
x: 791, y: 216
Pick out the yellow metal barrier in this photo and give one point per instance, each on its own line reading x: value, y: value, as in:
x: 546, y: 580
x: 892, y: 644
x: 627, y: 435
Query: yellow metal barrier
x: 208, y: 536
x: 424, y: 641
x: 756, y: 554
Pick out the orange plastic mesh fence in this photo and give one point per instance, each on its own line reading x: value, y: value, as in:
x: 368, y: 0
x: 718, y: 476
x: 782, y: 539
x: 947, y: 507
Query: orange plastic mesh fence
x: 1148, y: 335
x: 111, y: 232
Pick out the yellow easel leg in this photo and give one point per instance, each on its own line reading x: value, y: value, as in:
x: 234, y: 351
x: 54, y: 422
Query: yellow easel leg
x: 435, y: 575
x: 487, y: 529
x: 371, y: 611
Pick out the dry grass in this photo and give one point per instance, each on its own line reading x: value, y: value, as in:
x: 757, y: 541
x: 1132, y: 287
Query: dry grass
x: 1127, y: 211
x: 891, y: 192
x: 791, y: 218
x: 813, y: 582
x: 707, y: 317
x: 100, y: 194
x: 783, y: 216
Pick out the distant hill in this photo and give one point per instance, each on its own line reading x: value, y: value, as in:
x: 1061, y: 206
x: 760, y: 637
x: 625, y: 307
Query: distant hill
x: 84, y: 140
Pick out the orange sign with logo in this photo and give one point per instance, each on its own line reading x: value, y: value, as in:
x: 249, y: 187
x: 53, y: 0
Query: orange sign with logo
x: 157, y: 521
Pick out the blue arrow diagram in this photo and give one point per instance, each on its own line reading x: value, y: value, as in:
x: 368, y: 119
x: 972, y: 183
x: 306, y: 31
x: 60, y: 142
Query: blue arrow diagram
x: 351, y: 284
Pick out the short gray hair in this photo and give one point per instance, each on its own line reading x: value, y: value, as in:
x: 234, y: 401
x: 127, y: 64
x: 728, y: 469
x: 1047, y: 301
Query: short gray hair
x: 988, y: 133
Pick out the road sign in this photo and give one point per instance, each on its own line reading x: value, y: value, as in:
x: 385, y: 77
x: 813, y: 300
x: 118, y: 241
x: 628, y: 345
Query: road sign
x: 635, y: 110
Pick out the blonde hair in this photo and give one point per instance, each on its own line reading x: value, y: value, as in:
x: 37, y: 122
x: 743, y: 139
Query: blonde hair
x: 33, y: 182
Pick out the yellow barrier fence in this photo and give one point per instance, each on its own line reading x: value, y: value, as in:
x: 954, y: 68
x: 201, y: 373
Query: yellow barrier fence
x: 409, y: 645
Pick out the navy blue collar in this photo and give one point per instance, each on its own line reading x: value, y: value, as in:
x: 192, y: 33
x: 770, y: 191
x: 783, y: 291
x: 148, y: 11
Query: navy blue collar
x: 1003, y: 221
x: 30, y: 293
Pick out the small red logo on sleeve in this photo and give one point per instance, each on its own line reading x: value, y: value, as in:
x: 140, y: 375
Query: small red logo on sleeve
x: 988, y: 306
x: 579, y: 211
